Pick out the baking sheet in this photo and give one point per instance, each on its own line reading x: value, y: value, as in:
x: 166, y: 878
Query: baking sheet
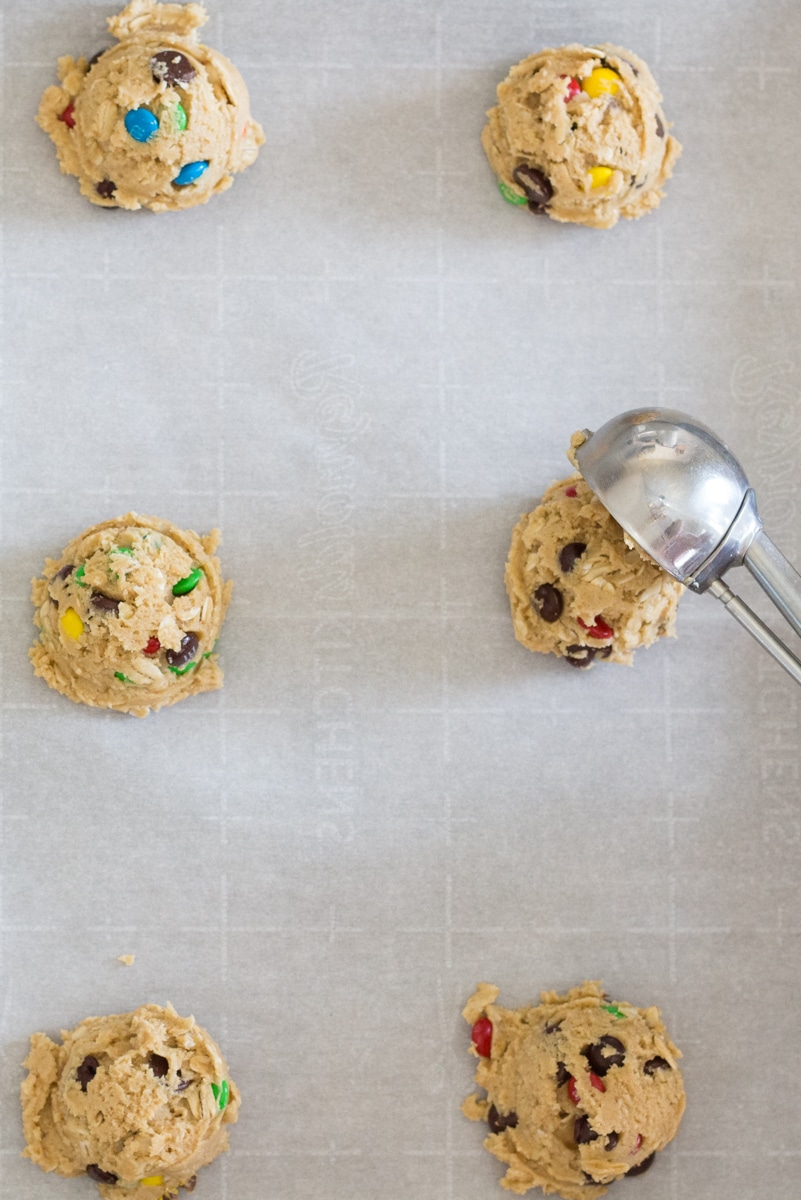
x: 364, y: 366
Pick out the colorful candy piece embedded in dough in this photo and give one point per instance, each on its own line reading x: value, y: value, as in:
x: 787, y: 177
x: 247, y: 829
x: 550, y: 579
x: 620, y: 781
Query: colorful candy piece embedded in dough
x: 68, y: 116
x: 72, y: 624
x: 603, y: 81
x: 481, y: 1035
x: 141, y: 124
x: 599, y: 176
x: 599, y: 630
x: 572, y: 88
x: 190, y: 173
x: 221, y: 1094
x: 152, y: 1181
x: 188, y: 583
x: 511, y: 196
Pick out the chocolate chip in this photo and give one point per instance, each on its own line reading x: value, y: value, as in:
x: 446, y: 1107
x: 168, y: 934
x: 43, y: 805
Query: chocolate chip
x: 87, y: 1071
x: 581, y: 656
x: 656, y: 1064
x: 105, y: 603
x: 168, y: 66
x: 642, y: 1167
x: 568, y: 555
x: 190, y: 1184
x: 158, y: 1065
x: 96, y: 57
x: 602, y: 651
x: 588, y: 1178
x: 535, y: 184
x: 64, y: 572
x: 106, y: 189
x: 660, y: 129
x: 189, y: 647
x: 94, y: 1172
x: 599, y: 1057
x: 548, y: 602
x: 612, y: 1140
x: 553, y: 1028
x: 583, y: 1132
x: 562, y: 1074
x: 499, y: 1121
x: 183, y: 1085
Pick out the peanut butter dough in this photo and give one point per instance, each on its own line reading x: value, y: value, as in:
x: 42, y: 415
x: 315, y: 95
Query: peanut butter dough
x: 157, y: 121
x: 579, y: 1090
x: 130, y: 614
x: 579, y: 587
x: 579, y: 134
x: 139, y: 1102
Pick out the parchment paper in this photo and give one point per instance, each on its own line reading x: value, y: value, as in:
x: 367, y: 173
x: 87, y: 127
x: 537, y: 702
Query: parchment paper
x: 364, y: 366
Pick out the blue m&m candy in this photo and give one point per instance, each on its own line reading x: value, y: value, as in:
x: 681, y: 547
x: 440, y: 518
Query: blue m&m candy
x: 141, y: 124
x: 190, y: 172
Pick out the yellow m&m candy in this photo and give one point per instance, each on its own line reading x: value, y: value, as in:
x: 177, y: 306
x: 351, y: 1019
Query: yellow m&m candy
x: 603, y: 81
x: 152, y: 1181
x: 600, y: 176
x: 72, y: 624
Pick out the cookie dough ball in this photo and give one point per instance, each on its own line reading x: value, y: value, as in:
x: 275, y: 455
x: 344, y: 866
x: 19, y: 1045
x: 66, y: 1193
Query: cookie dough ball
x: 579, y: 134
x: 130, y: 614
x: 579, y: 587
x: 139, y: 1102
x: 157, y: 121
x: 579, y: 1090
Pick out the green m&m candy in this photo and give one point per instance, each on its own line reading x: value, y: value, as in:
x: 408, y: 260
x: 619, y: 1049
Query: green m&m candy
x: 221, y: 1093
x: 188, y: 583
x: 510, y: 194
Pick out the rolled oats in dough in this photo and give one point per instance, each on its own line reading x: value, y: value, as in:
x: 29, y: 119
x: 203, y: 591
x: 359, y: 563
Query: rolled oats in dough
x: 579, y: 134
x: 157, y: 121
x: 139, y: 1102
x: 129, y: 615
x: 580, y: 1090
x: 579, y: 587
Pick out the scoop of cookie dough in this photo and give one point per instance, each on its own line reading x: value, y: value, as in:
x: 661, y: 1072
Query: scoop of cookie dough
x: 157, y: 121
x: 579, y: 587
x: 579, y: 1090
x: 579, y: 134
x: 130, y: 614
x: 139, y: 1102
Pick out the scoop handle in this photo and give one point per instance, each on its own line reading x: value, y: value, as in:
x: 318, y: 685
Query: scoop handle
x: 757, y: 628
x: 777, y: 576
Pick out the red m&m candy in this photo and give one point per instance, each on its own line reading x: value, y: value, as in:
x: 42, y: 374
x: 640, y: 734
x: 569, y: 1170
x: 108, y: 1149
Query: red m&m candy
x: 481, y: 1034
x: 599, y: 630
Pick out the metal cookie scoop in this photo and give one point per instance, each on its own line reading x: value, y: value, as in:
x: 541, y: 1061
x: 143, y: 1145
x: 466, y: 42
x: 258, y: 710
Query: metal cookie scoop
x: 682, y: 496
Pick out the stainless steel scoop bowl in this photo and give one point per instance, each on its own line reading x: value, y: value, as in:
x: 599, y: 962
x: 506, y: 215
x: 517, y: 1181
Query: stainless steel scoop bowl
x: 683, y: 497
